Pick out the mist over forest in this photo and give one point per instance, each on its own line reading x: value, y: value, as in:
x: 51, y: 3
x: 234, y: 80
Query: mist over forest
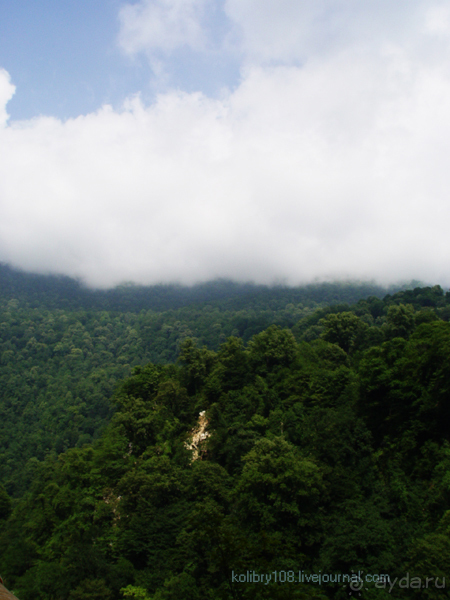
x: 224, y: 299
x: 161, y: 141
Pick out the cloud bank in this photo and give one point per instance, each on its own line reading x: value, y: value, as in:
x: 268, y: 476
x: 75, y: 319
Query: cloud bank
x: 162, y: 25
x: 328, y: 160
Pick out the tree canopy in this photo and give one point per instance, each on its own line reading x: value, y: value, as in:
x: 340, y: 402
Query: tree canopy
x: 320, y: 447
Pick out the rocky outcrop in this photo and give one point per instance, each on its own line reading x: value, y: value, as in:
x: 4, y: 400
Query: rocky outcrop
x: 198, y: 435
x: 5, y: 594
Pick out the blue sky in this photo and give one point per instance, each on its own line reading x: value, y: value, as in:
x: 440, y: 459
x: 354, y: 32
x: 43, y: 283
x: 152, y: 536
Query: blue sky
x: 265, y: 140
x: 66, y: 58
x: 63, y: 56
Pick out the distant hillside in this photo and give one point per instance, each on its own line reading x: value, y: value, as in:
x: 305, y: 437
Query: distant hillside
x: 57, y: 291
x: 64, y: 348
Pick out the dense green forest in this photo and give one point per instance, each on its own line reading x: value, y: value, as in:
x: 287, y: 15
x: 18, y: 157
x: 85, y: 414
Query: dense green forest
x: 160, y: 454
x: 52, y: 292
x: 63, y: 348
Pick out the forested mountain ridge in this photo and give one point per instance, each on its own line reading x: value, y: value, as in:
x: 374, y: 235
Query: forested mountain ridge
x: 328, y: 450
x: 53, y: 292
x: 62, y: 353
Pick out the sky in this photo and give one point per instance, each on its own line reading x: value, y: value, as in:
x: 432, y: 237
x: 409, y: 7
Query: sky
x: 274, y: 141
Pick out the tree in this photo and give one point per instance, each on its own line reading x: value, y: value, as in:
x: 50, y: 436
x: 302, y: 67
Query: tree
x: 278, y: 488
x: 400, y: 320
x: 5, y: 504
x: 91, y: 589
x: 274, y: 347
x: 344, y: 329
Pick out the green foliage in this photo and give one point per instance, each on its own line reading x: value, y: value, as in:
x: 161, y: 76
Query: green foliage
x: 91, y: 589
x: 324, y: 447
x: 59, y: 292
x: 136, y: 593
x: 64, y: 348
x: 344, y: 329
x: 5, y: 505
x: 278, y: 489
x: 400, y: 320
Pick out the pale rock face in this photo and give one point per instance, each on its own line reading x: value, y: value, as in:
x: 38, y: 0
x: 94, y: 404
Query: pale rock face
x: 198, y: 435
x: 5, y: 594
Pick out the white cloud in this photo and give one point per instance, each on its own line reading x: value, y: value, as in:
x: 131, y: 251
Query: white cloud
x: 286, y: 32
x: 295, y: 31
x: 6, y: 93
x: 437, y: 19
x: 335, y: 168
x: 152, y: 25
